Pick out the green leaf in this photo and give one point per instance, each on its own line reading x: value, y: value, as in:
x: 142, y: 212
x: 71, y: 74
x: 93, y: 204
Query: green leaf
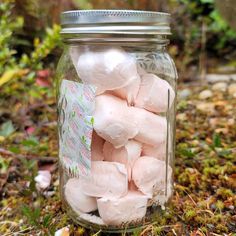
x: 46, y: 220
x: 207, y: 1
x: 216, y: 140
x: 7, y: 76
x: 92, y: 121
x: 7, y: 129
x: 4, y: 165
x: 32, y: 215
x: 83, y: 4
x: 30, y: 142
x: 186, y: 152
x: 14, y: 150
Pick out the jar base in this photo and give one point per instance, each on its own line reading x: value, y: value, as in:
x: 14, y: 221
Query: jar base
x: 112, y: 229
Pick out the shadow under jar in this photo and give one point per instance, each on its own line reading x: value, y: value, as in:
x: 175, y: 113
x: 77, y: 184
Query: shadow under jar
x: 116, y: 93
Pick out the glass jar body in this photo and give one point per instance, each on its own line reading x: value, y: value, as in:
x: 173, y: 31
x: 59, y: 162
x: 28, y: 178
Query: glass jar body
x: 116, y: 126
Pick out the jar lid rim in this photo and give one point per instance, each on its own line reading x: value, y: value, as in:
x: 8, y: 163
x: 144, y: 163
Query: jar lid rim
x: 131, y: 19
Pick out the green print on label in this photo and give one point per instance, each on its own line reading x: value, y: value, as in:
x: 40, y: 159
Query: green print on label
x: 92, y: 121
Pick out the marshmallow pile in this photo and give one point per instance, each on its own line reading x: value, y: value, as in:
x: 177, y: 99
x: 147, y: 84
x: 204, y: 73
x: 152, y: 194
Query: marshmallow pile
x: 128, y: 148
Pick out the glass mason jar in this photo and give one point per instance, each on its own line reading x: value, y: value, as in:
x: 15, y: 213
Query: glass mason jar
x: 116, y: 93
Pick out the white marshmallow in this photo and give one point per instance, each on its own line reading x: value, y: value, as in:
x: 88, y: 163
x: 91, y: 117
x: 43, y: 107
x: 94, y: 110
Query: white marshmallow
x: 131, y: 207
x: 113, y: 120
x: 108, y: 179
x: 43, y: 179
x: 152, y: 128
x: 153, y: 94
x: 125, y: 155
x: 97, y: 147
x: 149, y: 175
x: 79, y: 202
x: 107, y: 68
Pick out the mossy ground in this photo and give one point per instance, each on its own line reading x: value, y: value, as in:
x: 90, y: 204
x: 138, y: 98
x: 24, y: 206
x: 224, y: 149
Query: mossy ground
x: 204, y: 201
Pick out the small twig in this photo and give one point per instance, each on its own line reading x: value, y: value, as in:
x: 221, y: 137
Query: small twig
x: 216, y: 234
x: 190, y: 198
x: 97, y: 233
x: 202, y: 59
x: 149, y: 227
x: 50, y: 124
x: 29, y: 157
x: 207, y: 211
x: 8, y: 222
x: 174, y: 232
x: 18, y: 232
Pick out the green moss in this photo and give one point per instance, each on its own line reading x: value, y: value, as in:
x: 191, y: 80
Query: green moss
x: 157, y: 230
x: 80, y: 231
x: 224, y: 193
x: 220, y: 228
x: 220, y: 205
x: 190, y: 214
x: 200, y: 219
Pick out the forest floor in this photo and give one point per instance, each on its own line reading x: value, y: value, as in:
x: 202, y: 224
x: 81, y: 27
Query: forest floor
x: 204, y: 201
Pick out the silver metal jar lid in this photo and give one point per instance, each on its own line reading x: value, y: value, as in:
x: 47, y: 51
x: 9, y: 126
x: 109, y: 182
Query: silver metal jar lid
x: 128, y: 22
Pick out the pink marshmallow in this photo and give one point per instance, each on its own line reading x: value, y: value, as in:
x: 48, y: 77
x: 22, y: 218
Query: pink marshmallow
x: 158, y: 152
x: 127, y: 209
x: 153, y: 94
x: 125, y: 155
x: 141, y: 71
x: 149, y: 174
x: 107, y: 68
x: 108, y: 179
x: 132, y: 186
x: 79, y: 202
x: 113, y: 120
x: 97, y: 147
x: 152, y: 128
x: 129, y: 92
x: 91, y: 218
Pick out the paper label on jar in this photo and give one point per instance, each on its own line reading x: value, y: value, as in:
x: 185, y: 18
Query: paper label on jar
x: 76, y: 105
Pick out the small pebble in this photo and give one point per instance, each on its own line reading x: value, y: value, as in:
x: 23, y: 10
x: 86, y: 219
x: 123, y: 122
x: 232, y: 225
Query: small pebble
x: 222, y: 130
x: 181, y: 117
x: 205, y: 94
x: 185, y: 93
x: 232, y: 89
x: 206, y: 107
x: 220, y: 86
x: 214, y: 122
x: 231, y: 121
x: 56, y: 183
x: 213, y: 207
